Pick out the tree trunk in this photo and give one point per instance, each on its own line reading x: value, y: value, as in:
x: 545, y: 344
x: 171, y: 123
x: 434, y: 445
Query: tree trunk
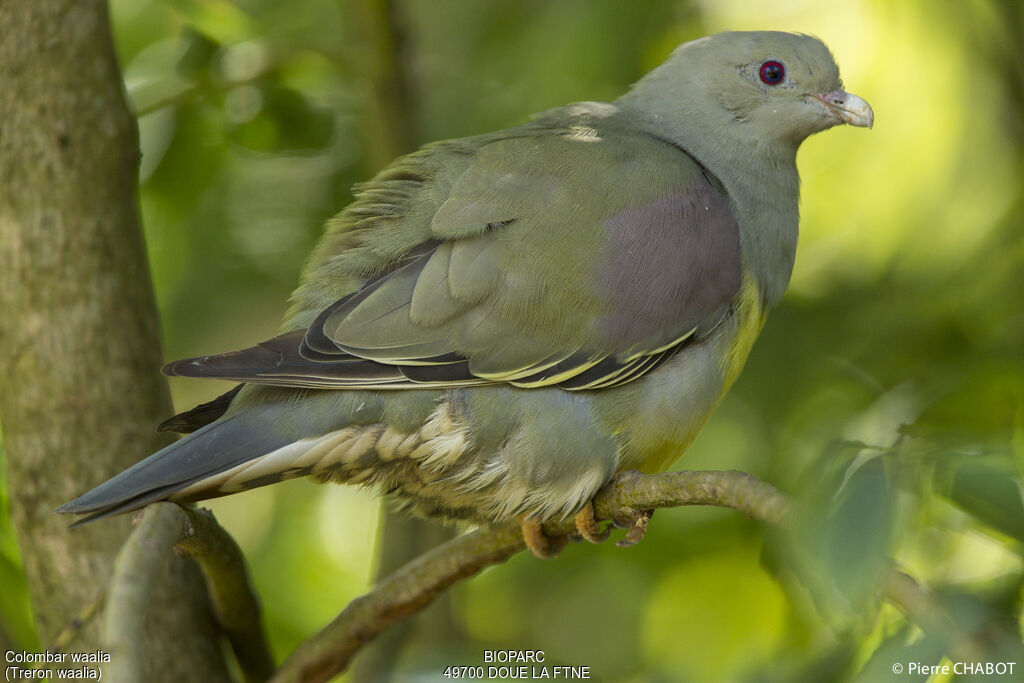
x: 80, y: 390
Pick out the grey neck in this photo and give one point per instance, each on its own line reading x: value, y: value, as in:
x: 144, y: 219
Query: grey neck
x: 760, y: 178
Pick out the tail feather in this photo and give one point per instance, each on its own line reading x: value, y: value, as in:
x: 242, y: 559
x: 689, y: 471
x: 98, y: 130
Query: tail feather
x: 129, y: 505
x: 209, y: 451
x: 266, y: 434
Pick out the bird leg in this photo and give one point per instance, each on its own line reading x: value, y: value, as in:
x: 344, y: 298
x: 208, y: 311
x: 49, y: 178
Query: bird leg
x: 587, y: 525
x: 540, y: 544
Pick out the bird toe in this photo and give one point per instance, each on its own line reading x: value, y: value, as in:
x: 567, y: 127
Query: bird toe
x: 587, y: 526
x: 541, y: 545
x: 637, y: 528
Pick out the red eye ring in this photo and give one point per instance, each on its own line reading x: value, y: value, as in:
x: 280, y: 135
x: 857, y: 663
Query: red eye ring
x: 772, y: 72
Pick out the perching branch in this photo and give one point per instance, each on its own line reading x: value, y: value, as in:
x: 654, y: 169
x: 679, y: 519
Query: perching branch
x: 415, y: 585
x: 130, y: 588
x: 196, y: 534
x: 632, y: 491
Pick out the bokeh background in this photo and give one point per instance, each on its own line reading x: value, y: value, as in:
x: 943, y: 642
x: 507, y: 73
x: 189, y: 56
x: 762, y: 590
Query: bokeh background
x: 886, y: 392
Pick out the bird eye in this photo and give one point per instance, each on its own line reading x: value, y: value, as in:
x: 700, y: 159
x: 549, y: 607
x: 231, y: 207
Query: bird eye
x: 772, y: 72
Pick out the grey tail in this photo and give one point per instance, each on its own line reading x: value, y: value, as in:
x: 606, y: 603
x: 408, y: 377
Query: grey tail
x: 206, y: 452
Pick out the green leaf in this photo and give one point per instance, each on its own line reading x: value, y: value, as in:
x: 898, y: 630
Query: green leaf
x: 897, y: 661
x: 987, y: 488
x: 839, y: 543
x: 196, y: 56
x: 277, y: 119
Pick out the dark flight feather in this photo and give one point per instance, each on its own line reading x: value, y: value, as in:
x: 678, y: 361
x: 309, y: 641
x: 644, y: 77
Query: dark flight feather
x: 200, y: 416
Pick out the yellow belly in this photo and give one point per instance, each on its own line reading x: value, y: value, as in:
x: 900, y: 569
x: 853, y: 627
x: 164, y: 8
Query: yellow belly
x: 751, y: 320
x: 656, y: 449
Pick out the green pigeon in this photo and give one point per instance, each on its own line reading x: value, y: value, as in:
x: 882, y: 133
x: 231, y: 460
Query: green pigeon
x: 499, y: 324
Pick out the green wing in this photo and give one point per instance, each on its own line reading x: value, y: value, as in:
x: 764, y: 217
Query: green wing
x: 575, y: 251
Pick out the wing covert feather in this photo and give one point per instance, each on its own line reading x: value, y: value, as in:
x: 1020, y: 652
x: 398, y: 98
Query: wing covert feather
x: 552, y: 257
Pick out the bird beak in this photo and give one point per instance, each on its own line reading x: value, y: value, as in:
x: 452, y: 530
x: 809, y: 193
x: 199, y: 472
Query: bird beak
x: 848, y: 108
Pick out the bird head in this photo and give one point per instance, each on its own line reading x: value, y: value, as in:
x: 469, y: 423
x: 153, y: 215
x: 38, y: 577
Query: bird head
x: 781, y: 87
x: 785, y: 84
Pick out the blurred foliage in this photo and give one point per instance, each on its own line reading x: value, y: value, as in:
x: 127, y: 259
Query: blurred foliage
x: 16, y: 628
x: 886, y: 392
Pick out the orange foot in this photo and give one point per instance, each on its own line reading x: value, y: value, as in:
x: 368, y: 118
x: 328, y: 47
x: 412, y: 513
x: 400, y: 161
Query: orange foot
x: 589, y: 529
x: 587, y: 525
x: 545, y: 547
x: 540, y: 544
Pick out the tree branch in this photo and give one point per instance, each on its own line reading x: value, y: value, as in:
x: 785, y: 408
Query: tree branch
x: 925, y: 610
x: 130, y: 587
x: 632, y: 491
x: 196, y: 534
x: 234, y: 600
x: 415, y: 585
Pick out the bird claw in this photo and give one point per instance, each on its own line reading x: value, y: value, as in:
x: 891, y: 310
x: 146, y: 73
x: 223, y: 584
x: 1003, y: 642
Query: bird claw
x: 637, y: 522
x: 637, y: 528
x: 541, y: 545
x: 587, y: 525
x: 544, y: 547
